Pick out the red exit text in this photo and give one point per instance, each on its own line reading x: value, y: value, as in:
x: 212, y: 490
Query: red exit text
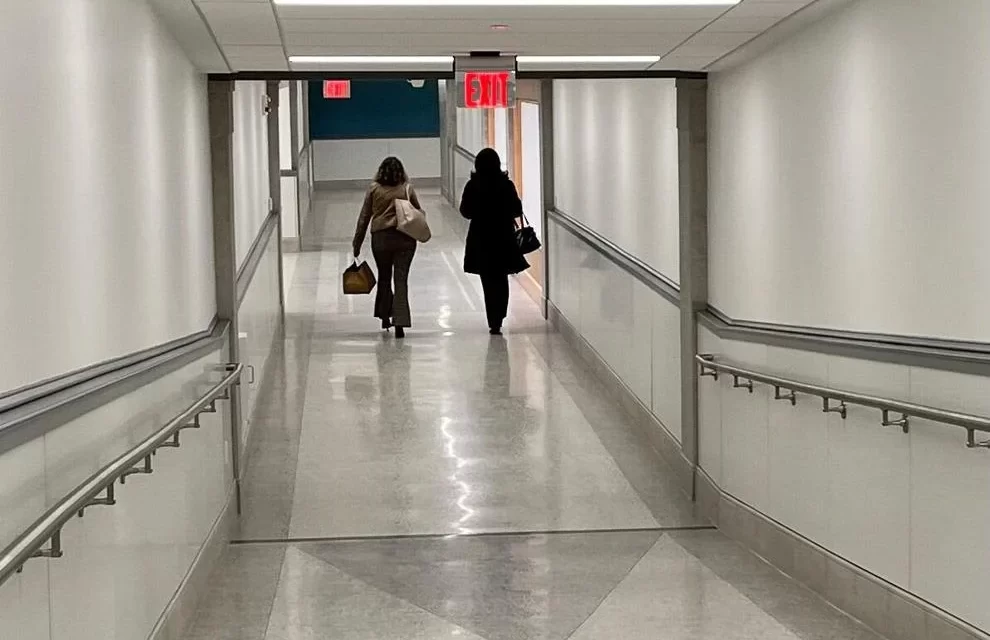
x: 486, y: 89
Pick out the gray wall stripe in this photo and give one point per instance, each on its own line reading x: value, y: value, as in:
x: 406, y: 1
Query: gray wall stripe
x: 245, y: 275
x: 926, y: 352
x: 61, y: 405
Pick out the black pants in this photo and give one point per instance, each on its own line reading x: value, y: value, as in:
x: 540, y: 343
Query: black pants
x: 393, y: 251
x: 496, y: 287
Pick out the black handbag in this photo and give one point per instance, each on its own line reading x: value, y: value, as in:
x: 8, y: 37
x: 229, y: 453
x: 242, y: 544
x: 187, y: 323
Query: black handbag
x: 526, y: 237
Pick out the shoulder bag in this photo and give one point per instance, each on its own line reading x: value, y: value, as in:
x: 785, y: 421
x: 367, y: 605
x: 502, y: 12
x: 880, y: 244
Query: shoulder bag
x: 410, y: 220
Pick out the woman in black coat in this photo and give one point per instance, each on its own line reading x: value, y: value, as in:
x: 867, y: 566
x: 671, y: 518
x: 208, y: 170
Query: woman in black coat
x: 492, y: 204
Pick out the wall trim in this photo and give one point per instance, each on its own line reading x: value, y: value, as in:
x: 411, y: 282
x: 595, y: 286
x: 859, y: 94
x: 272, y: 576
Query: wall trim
x: 929, y: 353
x: 644, y: 420
x: 77, y: 396
x: 245, y: 275
x: 181, y: 610
x: 880, y: 605
x: 886, y: 608
x: 464, y: 153
x: 642, y: 271
x: 24, y: 395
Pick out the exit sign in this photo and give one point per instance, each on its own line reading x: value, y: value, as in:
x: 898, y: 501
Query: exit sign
x: 336, y: 89
x: 488, y: 89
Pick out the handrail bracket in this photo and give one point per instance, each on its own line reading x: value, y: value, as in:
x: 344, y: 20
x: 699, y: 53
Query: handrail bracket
x: 748, y: 384
x: 973, y: 443
x: 107, y: 501
x: 828, y: 407
x: 902, y: 422
x: 791, y: 396
x: 145, y: 469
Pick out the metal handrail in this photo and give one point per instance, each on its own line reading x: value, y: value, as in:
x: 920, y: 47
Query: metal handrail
x: 48, y: 528
x: 837, y: 400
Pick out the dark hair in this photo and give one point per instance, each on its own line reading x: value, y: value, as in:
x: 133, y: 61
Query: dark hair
x: 391, y: 173
x: 488, y: 164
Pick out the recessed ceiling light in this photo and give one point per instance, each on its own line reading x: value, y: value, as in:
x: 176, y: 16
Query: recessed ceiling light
x: 500, y: 27
x: 588, y: 59
x: 372, y: 60
x: 507, y: 3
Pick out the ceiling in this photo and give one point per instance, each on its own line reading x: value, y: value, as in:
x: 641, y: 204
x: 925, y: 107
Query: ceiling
x: 259, y: 35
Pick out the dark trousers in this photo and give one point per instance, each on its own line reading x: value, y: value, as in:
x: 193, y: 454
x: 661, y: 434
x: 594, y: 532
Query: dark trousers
x: 496, y: 287
x: 393, y: 251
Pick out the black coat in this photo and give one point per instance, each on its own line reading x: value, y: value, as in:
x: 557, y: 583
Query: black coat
x: 492, y: 205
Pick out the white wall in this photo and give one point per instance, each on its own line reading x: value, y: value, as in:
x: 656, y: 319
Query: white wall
x: 502, y: 136
x: 285, y: 116
x: 250, y: 143
x: 122, y: 564
x: 302, y: 112
x: 259, y: 317
x: 359, y: 159
x: 848, y: 191
x: 913, y: 509
x: 532, y: 178
x: 634, y: 329
x: 471, y: 129
x: 849, y: 174
x: 615, y: 163
x: 105, y: 204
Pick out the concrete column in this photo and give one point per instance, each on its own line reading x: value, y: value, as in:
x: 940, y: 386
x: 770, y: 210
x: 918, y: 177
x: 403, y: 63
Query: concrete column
x: 295, y: 133
x: 275, y: 180
x: 221, y: 115
x: 692, y: 152
x: 546, y: 170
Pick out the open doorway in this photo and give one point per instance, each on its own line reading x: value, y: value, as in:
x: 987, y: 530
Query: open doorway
x: 527, y: 171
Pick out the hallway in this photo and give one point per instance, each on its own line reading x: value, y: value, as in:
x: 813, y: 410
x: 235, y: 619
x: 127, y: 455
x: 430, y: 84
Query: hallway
x: 457, y: 485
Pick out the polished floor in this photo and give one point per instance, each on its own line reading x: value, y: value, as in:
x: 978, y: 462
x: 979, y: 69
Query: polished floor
x: 458, y: 485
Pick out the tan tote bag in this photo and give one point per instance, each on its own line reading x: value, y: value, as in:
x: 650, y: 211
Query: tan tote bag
x: 410, y: 220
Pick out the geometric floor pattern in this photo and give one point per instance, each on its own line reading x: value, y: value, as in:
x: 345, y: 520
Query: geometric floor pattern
x: 455, y: 485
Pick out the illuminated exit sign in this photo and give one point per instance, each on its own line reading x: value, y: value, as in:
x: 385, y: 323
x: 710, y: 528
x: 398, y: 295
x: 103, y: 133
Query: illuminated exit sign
x: 488, y: 89
x: 485, y: 82
x: 336, y: 89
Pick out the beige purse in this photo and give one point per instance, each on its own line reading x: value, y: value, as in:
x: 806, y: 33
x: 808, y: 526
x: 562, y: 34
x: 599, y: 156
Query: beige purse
x: 410, y: 220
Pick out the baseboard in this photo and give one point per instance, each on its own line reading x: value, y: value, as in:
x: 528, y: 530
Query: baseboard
x: 351, y: 185
x: 882, y: 606
x: 267, y: 372
x: 642, y: 417
x: 532, y: 288
x: 181, y: 609
x: 886, y: 608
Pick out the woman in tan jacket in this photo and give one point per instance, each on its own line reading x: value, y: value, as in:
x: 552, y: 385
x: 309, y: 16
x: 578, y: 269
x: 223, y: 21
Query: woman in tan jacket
x: 392, y: 249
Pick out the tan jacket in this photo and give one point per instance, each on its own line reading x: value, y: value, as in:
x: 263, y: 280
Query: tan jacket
x: 378, y: 211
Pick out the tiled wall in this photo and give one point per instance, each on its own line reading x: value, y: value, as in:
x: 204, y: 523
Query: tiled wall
x: 258, y: 323
x: 631, y: 327
x: 122, y: 564
x: 913, y: 508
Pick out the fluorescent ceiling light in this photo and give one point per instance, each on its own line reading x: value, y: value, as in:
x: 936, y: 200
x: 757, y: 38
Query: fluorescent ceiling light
x: 588, y: 59
x: 371, y: 60
x: 507, y: 3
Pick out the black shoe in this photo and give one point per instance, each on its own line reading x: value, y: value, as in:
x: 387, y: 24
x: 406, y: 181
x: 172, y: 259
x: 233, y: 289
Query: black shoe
x: 400, y: 332
x: 386, y: 325
x: 495, y: 331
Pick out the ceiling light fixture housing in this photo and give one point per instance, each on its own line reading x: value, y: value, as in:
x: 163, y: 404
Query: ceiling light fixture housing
x: 508, y: 3
x: 586, y: 63
x: 375, y: 63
